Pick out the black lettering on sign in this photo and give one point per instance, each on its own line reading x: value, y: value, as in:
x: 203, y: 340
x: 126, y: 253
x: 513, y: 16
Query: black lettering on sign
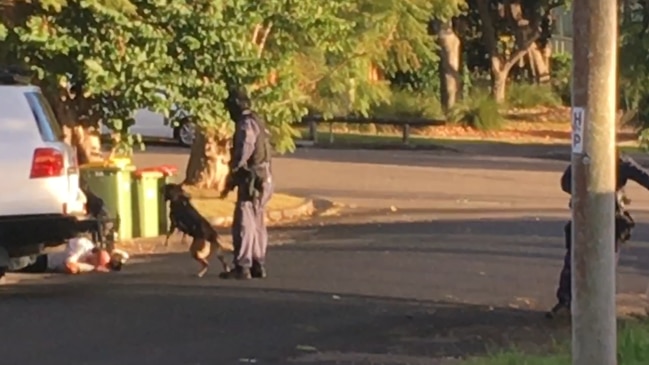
x: 577, y: 119
x: 576, y: 139
x: 577, y: 129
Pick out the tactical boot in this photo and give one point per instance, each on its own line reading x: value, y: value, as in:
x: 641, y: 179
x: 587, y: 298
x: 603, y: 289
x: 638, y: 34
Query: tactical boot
x: 258, y: 271
x: 238, y: 273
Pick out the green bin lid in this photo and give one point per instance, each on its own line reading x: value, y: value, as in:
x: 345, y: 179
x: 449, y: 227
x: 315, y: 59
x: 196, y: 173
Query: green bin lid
x: 102, y: 167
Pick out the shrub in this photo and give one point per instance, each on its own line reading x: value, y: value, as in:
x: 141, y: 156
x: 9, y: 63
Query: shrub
x: 524, y: 95
x: 479, y: 111
x: 409, y: 105
x: 633, y: 342
x: 560, y: 73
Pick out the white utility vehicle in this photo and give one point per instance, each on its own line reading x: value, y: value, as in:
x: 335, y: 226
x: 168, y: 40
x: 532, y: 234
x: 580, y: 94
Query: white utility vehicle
x: 40, y: 198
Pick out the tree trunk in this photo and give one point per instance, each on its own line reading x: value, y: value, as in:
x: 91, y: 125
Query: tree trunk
x: 207, y: 167
x: 499, y: 84
x: 78, y: 131
x: 500, y: 67
x: 450, y: 59
x: 531, y: 66
x: 541, y: 62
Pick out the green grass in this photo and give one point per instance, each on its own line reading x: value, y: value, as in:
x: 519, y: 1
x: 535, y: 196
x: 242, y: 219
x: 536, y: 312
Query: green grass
x: 519, y: 358
x: 523, y: 95
x: 633, y: 349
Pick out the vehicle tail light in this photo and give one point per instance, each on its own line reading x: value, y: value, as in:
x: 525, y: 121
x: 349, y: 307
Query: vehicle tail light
x: 47, y: 162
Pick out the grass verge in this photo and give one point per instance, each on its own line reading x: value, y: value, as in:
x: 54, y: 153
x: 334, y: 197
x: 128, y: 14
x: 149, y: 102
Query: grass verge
x: 633, y: 349
x: 358, y: 138
x: 207, y: 202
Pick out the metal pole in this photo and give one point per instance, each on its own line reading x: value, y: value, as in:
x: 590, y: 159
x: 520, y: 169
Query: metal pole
x: 594, y: 330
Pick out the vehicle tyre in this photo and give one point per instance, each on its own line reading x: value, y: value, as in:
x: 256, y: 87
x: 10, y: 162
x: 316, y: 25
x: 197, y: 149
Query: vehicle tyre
x: 185, y: 133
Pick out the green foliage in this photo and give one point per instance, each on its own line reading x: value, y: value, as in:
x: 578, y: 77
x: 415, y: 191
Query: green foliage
x: 520, y: 358
x: 102, y: 71
x: 478, y: 111
x: 561, y: 75
x: 526, y: 95
x: 633, y: 343
x: 634, y: 72
x: 643, y: 140
x: 103, y: 59
x: 447, y: 9
x: 403, y: 25
x: 410, y: 105
x: 632, y: 349
x: 425, y: 79
x: 391, y: 36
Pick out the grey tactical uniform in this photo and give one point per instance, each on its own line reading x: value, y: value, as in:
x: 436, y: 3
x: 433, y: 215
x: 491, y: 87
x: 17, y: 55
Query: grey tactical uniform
x: 249, y: 233
x: 627, y: 169
x: 251, y: 174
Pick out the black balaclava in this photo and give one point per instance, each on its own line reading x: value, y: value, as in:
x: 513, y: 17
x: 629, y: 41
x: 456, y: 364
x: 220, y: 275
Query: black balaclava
x: 236, y: 103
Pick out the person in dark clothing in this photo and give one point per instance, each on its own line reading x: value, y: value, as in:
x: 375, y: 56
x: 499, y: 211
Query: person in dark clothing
x: 627, y: 169
x: 250, y: 173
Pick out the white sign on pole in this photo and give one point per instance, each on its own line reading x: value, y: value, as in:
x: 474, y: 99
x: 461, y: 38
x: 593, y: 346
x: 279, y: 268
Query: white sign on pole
x: 578, y: 123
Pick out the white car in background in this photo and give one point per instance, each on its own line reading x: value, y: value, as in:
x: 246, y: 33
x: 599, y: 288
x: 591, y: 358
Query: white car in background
x: 150, y: 124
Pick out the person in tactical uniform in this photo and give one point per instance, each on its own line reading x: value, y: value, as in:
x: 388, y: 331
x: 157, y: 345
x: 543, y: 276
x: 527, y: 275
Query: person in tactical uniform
x: 250, y: 173
x: 627, y: 169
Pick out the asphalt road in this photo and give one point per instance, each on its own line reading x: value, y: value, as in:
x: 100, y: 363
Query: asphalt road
x: 442, y: 255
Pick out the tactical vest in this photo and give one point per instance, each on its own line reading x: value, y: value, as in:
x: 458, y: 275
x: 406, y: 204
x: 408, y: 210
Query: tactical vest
x: 261, y: 157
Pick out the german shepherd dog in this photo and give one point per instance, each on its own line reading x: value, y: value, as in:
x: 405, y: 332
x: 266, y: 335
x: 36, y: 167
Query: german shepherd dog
x: 184, y: 217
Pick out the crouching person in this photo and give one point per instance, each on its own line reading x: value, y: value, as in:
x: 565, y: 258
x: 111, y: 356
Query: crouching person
x: 79, y: 256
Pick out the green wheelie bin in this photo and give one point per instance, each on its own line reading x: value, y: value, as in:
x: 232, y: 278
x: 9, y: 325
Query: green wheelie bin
x: 166, y: 174
x: 112, y: 184
x: 146, y: 194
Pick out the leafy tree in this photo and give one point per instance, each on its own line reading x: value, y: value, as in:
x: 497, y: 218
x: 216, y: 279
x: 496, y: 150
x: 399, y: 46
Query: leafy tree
x: 633, y: 81
x: 95, y: 61
x: 293, y: 57
x: 510, y: 31
x: 286, y: 53
x: 495, y: 36
x: 98, y: 61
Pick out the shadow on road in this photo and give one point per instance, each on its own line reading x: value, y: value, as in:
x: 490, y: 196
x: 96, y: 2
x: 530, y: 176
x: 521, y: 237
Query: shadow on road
x: 430, y: 159
x: 497, y: 198
x: 194, y: 321
x: 520, y: 237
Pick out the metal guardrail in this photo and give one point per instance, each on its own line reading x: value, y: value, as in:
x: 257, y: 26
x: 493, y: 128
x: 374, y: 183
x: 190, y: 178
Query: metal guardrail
x: 404, y: 122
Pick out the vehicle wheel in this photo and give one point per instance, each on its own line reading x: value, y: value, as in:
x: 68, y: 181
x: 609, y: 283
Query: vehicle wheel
x: 185, y: 133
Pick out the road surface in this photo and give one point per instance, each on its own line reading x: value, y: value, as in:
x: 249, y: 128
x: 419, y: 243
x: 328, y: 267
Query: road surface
x: 441, y: 256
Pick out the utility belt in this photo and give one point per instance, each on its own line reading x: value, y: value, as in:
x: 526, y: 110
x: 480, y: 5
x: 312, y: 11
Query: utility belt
x: 624, y: 222
x: 253, y: 179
